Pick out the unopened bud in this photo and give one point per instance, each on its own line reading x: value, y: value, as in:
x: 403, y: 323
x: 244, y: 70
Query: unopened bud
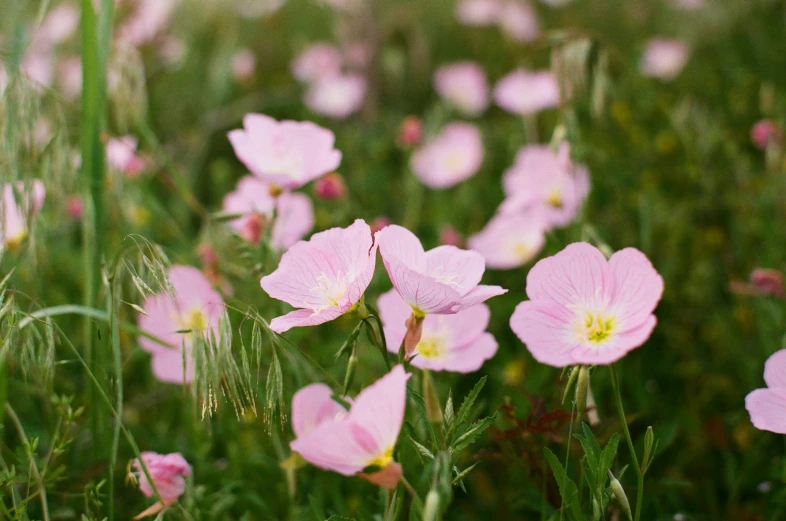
x: 431, y: 509
x: 574, y: 375
x: 582, y: 385
x: 433, y: 410
x: 410, y: 132
x: 352, y: 364
x: 649, y: 442
x: 330, y: 187
x: 414, y: 332
x: 619, y: 493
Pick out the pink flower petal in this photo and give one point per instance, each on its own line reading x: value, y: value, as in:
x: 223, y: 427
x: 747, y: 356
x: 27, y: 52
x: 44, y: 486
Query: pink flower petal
x: 767, y: 408
x: 637, y: 286
x: 545, y: 328
x: 312, y: 406
x: 380, y: 408
x: 577, y: 274
x: 775, y: 370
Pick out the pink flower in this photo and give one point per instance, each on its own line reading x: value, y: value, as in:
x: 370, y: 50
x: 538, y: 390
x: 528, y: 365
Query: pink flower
x: 664, y: 58
x: 244, y: 64
x: 449, y: 236
x: 348, y: 442
x: 294, y: 213
x: 767, y: 407
x: 765, y: 132
x: 70, y: 77
x: 331, y: 187
x: 39, y: 66
x: 317, y: 61
x: 463, y: 85
x: 586, y: 310
x: 519, y: 21
x: 457, y: 343
x: 379, y: 223
x: 149, y: 18
x: 323, y: 277
x: 522, y: 92
x: 21, y: 201
x: 285, y: 153
x: 312, y: 406
x: 60, y: 23
x: 479, y: 13
x: 443, y: 280
x: 337, y: 96
x: 510, y: 241
x: 75, y: 207
x: 690, y: 4
x: 546, y: 181
x: 768, y: 282
x: 168, y: 472
x: 453, y: 156
x: 410, y: 132
x: 193, y: 308
x: 121, y: 155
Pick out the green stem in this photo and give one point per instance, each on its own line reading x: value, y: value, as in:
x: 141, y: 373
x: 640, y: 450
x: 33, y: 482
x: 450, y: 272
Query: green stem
x: 631, y: 448
x: 93, y: 109
x: 382, y: 345
x: 563, y: 485
x: 101, y: 394
x: 118, y: 370
x: 37, y: 475
x: 85, y: 311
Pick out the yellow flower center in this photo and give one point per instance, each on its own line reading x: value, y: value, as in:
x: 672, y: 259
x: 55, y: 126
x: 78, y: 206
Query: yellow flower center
x: 555, y: 198
x: 597, y: 328
x: 431, y: 347
x: 13, y: 243
x: 382, y: 460
x: 195, y: 320
x: 332, y: 291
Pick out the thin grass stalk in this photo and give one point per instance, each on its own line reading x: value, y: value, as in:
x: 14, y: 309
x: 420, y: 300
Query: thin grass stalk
x: 93, y: 109
x: 118, y: 372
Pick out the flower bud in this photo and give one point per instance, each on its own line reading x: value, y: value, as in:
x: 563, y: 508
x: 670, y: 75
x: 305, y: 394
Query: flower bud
x: 330, y: 187
x: 75, y: 207
x: 410, y: 132
x: 619, y: 493
x: 431, y: 509
x: 431, y: 397
x: 379, y: 223
x: 649, y: 442
x: 448, y: 236
x: 414, y: 332
x: 765, y: 132
x: 582, y: 386
x: 574, y: 374
x: 768, y: 282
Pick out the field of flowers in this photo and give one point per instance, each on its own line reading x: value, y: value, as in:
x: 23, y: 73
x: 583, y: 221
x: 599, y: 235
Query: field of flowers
x: 330, y: 260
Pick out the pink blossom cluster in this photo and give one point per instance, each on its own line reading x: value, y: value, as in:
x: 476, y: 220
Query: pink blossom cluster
x: 516, y: 18
x: 332, y: 91
x: 544, y: 189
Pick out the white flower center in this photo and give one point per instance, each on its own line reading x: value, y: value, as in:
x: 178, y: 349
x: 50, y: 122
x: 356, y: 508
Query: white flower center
x: 332, y: 290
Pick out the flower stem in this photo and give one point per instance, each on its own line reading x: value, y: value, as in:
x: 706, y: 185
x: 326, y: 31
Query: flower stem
x: 93, y: 180
x: 37, y: 475
x: 636, y: 466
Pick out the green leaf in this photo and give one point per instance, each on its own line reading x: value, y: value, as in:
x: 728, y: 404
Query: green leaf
x: 567, y: 488
x: 472, y: 434
x: 424, y: 416
x: 469, y: 401
x: 423, y: 451
x: 459, y: 479
x: 448, y: 417
x: 608, y: 454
